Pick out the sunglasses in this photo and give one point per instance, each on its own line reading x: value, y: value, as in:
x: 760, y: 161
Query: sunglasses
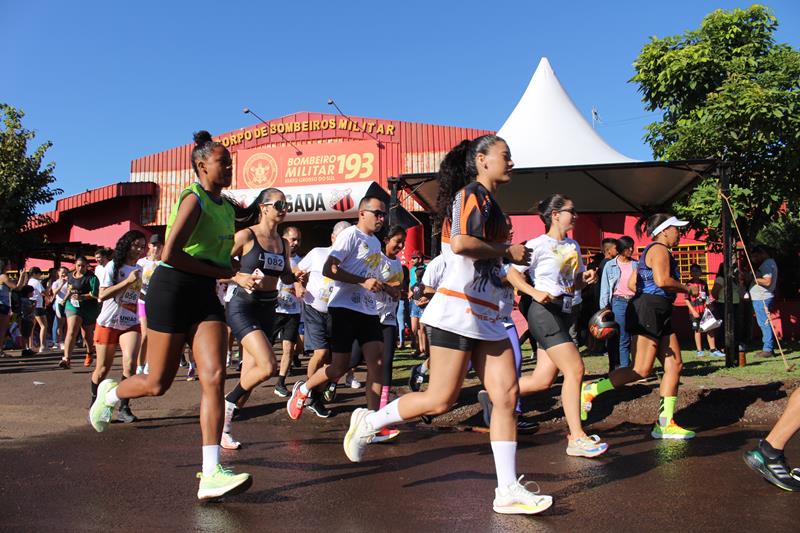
x: 279, y: 205
x: 571, y: 211
x: 377, y: 212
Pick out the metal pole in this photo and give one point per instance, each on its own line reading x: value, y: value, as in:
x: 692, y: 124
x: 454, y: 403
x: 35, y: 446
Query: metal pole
x: 393, y: 201
x: 728, y: 258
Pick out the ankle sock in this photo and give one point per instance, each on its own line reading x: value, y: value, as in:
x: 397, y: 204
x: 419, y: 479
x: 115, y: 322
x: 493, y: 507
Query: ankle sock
x: 111, y: 397
x: 505, y: 462
x: 599, y: 387
x: 237, y: 392
x: 386, y: 416
x: 282, y: 380
x: 210, y: 459
x: 304, y: 389
x: 768, y: 450
x: 666, y: 410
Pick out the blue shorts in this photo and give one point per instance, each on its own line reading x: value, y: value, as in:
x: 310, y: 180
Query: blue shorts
x: 416, y: 311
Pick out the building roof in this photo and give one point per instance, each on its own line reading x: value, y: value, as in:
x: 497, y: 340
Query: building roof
x: 100, y: 194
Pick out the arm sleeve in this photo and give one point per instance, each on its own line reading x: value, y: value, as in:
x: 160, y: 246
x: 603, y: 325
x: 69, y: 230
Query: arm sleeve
x: 468, y: 218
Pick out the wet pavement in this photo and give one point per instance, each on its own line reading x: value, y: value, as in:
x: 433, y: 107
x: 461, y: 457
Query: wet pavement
x: 58, y: 474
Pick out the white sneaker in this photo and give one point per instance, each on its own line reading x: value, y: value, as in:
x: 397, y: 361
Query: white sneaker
x: 486, y: 405
x: 352, y: 382
x: 517, y: 499
x: 358, y: 435
x: 146, y: 369
x: 228, y: 442
x: 139, y: 370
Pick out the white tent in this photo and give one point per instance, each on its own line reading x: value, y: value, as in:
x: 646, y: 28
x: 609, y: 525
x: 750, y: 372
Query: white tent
x: 555, y: 150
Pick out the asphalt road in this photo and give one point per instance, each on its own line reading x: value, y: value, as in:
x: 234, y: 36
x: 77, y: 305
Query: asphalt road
x: 59, y: 475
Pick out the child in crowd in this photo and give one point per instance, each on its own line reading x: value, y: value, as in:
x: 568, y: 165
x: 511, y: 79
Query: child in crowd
x: 697, y: 306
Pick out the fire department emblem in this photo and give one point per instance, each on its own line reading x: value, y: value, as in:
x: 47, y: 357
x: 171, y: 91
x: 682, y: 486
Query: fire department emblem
x: 260, y: 171
x: 342, y: 200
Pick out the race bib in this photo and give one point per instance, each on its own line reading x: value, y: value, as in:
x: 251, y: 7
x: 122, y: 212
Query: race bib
x: 566, y: 304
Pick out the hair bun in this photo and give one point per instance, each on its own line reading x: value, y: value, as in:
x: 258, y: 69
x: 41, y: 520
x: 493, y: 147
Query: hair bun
x: 201, y: 137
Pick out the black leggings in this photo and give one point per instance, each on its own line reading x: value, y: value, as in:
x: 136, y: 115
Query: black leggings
x: 389, y: 337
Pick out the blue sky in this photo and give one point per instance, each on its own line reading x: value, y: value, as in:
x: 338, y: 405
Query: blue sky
x: 108, y: 82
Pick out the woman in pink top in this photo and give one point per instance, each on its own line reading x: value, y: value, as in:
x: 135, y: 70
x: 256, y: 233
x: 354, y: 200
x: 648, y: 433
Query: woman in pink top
x: 615, y: 295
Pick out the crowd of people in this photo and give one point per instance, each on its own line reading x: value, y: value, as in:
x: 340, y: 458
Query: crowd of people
x: 226, y: 273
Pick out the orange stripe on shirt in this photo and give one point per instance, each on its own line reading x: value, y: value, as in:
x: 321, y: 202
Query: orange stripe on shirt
x: 471, y: 299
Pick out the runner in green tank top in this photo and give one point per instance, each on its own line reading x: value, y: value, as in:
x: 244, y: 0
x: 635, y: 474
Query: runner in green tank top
x: 182, y: 307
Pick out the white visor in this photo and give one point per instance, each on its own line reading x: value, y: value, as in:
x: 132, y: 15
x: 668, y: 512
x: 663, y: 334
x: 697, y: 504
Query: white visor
x: 671, y: 221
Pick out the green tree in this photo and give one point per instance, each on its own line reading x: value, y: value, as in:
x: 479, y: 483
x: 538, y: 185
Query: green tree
x: 24, y: 185
x: 728, y: 91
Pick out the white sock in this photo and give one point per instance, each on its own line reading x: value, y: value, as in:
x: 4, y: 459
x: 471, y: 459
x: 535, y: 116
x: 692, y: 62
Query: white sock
x: 111, y: 397
x: 423, y: 368
x: 505, y: 462
x: 387, y: 416
x: 303, y: 388
x: 210, y: 459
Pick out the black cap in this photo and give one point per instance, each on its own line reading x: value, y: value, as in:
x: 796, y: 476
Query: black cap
x: 156, y: 239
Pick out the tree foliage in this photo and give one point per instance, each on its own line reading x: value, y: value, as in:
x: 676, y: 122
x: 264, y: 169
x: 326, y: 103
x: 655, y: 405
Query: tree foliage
x: 728, y: 91
x: 24, y: 184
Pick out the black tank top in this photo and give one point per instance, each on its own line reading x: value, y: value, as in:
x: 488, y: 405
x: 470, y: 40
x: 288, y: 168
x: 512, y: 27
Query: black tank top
x: 270, y: 263
x: 81, y: 285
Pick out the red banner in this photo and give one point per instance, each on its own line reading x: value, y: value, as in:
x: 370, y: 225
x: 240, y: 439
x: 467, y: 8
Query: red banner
x: 318, y: 164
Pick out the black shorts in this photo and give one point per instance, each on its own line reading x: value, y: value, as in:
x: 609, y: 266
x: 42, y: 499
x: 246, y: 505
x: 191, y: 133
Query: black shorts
x: 247, y: 313
x: 696, y: 322
x: 548, y: 324
x: 40, y: 311
x: 318, y: 329
x: 286, y: 327
x: 649, y: 315
x: 26, y: 328
x: 348, y: 326
x: 447, y: 339
x: 176, y: 301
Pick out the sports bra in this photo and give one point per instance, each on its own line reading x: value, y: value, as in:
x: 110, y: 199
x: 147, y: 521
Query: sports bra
x: 270, y: 263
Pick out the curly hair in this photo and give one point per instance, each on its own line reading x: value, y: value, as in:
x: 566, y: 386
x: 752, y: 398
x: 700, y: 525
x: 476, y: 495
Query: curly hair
x: 122, y: 249
x: 457, y: 170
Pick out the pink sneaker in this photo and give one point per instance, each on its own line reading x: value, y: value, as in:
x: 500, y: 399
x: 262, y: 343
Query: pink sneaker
x: 296, y: 402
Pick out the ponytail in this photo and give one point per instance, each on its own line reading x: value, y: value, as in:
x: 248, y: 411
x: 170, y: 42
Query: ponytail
x: 249, y: 215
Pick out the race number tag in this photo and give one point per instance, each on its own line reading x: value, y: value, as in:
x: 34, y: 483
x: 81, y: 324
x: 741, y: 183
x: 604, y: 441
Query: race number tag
x: 566, y: 304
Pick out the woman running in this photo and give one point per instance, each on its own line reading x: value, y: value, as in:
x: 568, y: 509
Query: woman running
x: 264, y: 255
x: 81, y: 310
x: 148, y: 265
x: 118, y: 322
x: 649, y: 319
x: 6, y: 286
x: 182, y: 306
x: 392, y: 275
x: 557, y: 267
x: 464, y: 316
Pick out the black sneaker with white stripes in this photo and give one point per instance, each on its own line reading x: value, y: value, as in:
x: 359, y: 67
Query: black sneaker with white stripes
x: 774, y: 470
x: 316, y: 406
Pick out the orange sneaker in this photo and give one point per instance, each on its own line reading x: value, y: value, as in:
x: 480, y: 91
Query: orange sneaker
x: 87, y: 361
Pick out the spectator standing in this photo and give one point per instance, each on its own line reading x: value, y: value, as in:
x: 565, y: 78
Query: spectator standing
x: 6, y: 286
x: 615, y: 294
x: 40, y: 315
x: 762, y: 294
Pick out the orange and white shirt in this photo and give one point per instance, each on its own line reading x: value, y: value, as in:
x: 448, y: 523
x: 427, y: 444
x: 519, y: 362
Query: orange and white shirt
x: 467, y: 301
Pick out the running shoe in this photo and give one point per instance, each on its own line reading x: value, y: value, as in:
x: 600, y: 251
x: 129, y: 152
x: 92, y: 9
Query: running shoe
x: 486, y: 405
x: 139, y: 370
x: 386, y: 435
x: 296, y: 403
x: 87, y: 361
x: 526, y: 426
x: 42, y: 349
x: 125, y: 415
x: 146, y: 368
x: 27, y: 352
x: 318, y: 408
x: 588, y: 446
x: 2, y: 354
x: 671, y: 431
x: 61, y: 364
x: 359, y: 434
x: 222, y: 482
x: 586, y: 399
x: 100, y: 412
x: 191, y: 375
x: 281, y: 390
x: 700, y: 353
x: 717, y: 353
x: 296, y: 361
x: 776, y: 471
x: 517, y: 499
x: 417, y: 378
x: 228, y: 442
x: 352, y: 382
x: 427, y: 419
x: 330, y: 392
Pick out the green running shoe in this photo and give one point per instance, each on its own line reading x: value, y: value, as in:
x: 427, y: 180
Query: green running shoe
x: 100, y: 412
x: 671, y: 431
x: 776, y: 471
x: 222, y: 482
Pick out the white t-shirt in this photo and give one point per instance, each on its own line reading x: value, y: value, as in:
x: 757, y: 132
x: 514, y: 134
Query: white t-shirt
x: 434, y: 272
x: 98, y: 271
x: 360, y: 255
x: 38, y: 289
x: 60, y: 287
x: 288, y: 302
x: 391, y: 274
x: 120, y: 312
x: 148, y: 266
x: 554, y: 264
x: 319, y: 287
x: 767, y: 269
